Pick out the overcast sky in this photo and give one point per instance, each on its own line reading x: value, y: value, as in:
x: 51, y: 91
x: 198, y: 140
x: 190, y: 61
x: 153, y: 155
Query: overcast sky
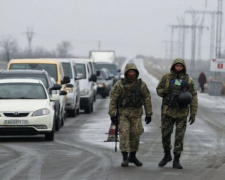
x: 129, y: 27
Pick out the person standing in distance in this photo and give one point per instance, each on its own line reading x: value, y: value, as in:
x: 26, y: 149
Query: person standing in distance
x: 202, y: 81
x: 179, y: 97
x: 131, y: 94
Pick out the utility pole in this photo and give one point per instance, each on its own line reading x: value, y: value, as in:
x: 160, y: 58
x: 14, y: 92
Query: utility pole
x: 219, y: 28
x: 184, y: 27
x: 29, y: 34
x: 99, y: 45
x: 171, y: 45
x: 219, y: 31
x: 213, y: 15
x: 193, y: 43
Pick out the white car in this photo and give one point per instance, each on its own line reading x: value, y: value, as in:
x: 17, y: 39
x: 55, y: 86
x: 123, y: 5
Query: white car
x: 86, y: 84
x: 26, y: 108
x: 73, y: 88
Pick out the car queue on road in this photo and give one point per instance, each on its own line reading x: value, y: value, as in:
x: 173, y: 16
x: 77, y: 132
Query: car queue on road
x: 68, y: 86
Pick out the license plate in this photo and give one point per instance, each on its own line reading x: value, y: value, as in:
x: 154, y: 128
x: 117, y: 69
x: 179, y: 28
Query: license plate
x: 16, y: 122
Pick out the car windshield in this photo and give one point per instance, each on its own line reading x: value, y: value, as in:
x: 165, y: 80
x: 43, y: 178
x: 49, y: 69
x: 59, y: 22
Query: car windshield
x: 67, y: 70
x: 81, y: 69
x: 22, y: 91
x: 26, y: 76
x: 50, y: 68
x: 111, y: 67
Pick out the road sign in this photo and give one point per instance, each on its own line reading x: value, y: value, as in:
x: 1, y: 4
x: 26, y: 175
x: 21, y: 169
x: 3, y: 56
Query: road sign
x: 217, y: 65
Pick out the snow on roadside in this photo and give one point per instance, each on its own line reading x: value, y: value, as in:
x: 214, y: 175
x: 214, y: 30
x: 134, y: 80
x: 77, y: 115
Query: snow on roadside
x: 217, y: 102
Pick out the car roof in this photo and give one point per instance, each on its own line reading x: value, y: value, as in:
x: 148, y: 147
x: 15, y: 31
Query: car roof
x: 21, y: 81
x: 83, y: 60
x: 63, y: 59
x: 24, y: 71
x: 43, y: 61
x: 104, y: 62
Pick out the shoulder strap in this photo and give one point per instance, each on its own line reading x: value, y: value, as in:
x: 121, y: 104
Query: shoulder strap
x: 125, y: 91
x: 187, y: 78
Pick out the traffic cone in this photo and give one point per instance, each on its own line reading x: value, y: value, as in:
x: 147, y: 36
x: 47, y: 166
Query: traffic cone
x: 112, y: 133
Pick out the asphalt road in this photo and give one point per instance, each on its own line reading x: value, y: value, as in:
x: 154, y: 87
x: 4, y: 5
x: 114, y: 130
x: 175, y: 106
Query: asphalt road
x: 80, y: 153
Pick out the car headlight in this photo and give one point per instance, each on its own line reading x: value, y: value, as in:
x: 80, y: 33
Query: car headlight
x: 69, y: 90
x: 101, y: 85
x: 41, y: 112
x: 84, y: 92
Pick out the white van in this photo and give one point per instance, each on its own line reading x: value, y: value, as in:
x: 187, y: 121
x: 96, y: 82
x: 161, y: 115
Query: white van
x: 86, y: 84
x: 73, y: 88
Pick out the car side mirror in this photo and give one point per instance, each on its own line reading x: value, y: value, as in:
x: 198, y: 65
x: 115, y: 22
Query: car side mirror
x: 63, y: 93
x: 55, y: 87
x: 93, y: 78
x: 98, y: 73
x: 65, y: 80
x: 69, y: 86
x: 111, y: 77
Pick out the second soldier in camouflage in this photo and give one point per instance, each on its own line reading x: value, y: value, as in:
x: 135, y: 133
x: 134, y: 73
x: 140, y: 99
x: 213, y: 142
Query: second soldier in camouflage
x: 179, y: 97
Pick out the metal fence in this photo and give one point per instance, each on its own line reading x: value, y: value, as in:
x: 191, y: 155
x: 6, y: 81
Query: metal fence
x: 215, y: 88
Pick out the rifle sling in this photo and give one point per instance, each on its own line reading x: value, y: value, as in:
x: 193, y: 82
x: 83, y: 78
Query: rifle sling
x: 125, y: 91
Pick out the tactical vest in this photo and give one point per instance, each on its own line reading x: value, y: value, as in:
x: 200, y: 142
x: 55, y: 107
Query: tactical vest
x: 175, y: 88
x: 132, y: 96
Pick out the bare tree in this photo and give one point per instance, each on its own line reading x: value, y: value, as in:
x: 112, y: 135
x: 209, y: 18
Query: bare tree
x: 63, y: 49
x: 9, y: 46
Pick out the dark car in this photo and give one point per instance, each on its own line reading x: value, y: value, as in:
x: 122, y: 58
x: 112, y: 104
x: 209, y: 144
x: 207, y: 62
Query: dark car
x: 104, y: 82
x: 47, y: 81
x: 112, y: 67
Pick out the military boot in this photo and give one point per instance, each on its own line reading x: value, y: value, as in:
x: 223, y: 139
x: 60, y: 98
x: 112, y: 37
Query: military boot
x: 176, y: 162
x: 133, y: 159
x: 125, y: 162
x: 167, y: 158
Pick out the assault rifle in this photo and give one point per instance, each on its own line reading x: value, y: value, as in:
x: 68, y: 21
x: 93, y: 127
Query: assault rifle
x: 117, y: 122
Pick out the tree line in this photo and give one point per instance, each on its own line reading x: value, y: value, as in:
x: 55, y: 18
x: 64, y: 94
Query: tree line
x: 9, y: 49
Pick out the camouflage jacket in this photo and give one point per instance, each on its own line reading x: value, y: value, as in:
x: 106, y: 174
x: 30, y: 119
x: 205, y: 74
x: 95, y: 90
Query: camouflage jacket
x: 163, y: 91
x: 118, y: 90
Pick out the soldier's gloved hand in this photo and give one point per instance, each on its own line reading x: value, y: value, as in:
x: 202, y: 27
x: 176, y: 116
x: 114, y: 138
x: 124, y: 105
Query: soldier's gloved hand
x: 113, y: 119
x: 192, y: 119
x: 148, y: 119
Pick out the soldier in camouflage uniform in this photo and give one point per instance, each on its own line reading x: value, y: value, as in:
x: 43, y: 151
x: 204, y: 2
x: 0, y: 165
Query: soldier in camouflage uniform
x: 179, y: 97
x: 131, y: 94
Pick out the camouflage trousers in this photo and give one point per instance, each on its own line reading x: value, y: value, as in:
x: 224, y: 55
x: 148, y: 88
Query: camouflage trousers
x: 130, y: 129
x: 167, y: 130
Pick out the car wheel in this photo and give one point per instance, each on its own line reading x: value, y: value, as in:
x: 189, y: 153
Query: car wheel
x: 104, y: 95
x: 57, y: 123
x: 72, y: 113
x: 62, y: 119
x: 64, y: 116
x: 50, y: 136
x: 92, y: 108
x: 88, y: 109
x: 78, y: 111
